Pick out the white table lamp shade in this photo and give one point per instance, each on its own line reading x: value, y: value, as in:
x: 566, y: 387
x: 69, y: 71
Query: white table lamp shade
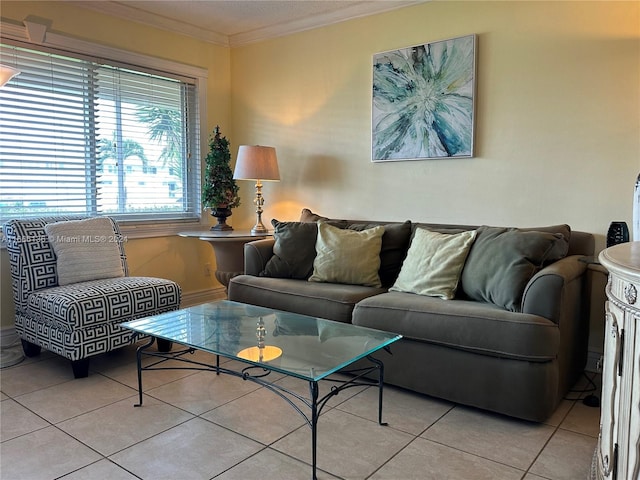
x: 256, y: 162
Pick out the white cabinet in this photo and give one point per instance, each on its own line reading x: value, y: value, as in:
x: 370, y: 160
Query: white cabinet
x: 618, y: 453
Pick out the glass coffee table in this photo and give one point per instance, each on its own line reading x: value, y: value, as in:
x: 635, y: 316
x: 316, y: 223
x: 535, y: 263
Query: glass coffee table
x: 265, y: 340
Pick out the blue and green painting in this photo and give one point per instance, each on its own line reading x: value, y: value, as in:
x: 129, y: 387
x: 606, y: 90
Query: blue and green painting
x: 423, y: 103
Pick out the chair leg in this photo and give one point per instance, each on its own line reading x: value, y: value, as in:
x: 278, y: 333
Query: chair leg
x: 30, y: 349
x: 164, y: 346
x: 80, y: 368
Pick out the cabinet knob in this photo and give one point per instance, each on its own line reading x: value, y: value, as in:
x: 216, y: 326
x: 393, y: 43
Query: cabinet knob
x: 630, y: 294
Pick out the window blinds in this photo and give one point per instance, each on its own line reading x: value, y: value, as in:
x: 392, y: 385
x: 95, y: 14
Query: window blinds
x: 81, y: 136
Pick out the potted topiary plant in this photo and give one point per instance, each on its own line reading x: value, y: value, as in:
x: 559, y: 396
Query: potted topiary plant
x: 219, y: 190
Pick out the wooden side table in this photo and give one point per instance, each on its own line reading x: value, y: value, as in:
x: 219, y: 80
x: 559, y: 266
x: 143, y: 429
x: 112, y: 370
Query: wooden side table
x: 228, y: 247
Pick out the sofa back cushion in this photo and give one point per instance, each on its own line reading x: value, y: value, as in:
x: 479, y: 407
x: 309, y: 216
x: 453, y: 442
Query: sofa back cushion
x: 503, y: 260
x: 487, y: 286
x: 395, y: 244
x: 307, y: 216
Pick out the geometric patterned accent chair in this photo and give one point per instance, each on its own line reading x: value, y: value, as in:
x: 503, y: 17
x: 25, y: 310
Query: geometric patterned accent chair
x: 71, y: 290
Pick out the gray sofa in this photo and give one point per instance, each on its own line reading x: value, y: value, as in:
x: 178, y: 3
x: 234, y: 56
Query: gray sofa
x: 517, y: 356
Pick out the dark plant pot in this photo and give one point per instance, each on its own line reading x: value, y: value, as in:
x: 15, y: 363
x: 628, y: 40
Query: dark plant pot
x: 221, y: 215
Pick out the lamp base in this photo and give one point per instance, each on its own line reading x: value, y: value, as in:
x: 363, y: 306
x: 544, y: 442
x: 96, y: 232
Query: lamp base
x: 259, y: 229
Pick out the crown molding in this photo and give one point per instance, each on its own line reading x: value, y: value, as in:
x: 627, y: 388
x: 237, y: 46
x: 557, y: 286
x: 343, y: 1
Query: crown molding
x: 357, y: 10
x: 153, y: 20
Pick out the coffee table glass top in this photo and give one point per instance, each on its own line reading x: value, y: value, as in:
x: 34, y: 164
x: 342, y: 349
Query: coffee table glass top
x: 305, y: 347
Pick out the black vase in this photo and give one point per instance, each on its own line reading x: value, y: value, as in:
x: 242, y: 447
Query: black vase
x: 221, y: 215
x: 618, y: 233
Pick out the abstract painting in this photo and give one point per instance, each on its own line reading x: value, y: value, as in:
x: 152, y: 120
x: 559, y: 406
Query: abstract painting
x: 423, y: 101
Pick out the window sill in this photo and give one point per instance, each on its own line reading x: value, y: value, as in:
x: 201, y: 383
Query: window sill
x: 134, y: 230
x: 137, y: 230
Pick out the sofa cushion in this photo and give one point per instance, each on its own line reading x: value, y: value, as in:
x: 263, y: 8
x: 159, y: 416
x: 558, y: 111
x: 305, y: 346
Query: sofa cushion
x: 85, y: 304
x: 85, y: 250
x: 434, y: 263
x: 332, y: 301
x: 502, y: 261
x: 347, y: 256
x: 463, y: 324
x: 293, y: 251
x: 395, y: 243
x: 561, y: 247
x: 307, y: 216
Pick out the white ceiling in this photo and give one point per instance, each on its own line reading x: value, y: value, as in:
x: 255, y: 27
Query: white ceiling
x: 238, y: 22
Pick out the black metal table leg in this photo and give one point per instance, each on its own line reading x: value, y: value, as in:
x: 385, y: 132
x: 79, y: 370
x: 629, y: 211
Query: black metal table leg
x: 139, y: 362
x: 313, y: 387
x: 380, y: 367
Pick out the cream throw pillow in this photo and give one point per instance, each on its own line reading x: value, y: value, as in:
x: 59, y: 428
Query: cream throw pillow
x: 347, y: 256
x: 85, y: 250
x: 434, y: 263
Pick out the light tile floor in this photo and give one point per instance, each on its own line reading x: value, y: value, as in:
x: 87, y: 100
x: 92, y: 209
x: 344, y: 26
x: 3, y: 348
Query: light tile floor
x: 196, y: 425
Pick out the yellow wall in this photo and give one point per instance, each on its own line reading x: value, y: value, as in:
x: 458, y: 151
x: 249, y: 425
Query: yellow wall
x: 557, y: 132
x: 557, y: 125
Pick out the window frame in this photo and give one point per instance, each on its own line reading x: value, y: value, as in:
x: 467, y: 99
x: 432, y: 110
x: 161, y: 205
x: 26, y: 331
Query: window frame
x: 36, y: 35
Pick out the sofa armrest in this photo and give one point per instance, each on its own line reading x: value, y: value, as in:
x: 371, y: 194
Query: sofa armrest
x: 555, y: 289
x: 256, y: 255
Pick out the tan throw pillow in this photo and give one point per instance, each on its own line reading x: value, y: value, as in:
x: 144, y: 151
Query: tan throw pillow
x: 85, y: 250
x: 347, y: 256
x: 434, y: 263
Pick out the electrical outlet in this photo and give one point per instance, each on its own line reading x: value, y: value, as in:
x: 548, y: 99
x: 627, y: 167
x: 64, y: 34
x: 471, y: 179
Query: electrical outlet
x: 207, y: 269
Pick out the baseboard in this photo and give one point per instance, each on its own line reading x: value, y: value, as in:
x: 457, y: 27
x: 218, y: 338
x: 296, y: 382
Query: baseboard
x: 197, y: 297
x: 593, y: 361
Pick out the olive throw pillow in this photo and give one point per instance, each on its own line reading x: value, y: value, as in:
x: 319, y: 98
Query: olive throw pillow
x: 434, y: 263
x: 293, y: 251
x: 85, y: 250
x: 502, y: 261
x: 347, y: 256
